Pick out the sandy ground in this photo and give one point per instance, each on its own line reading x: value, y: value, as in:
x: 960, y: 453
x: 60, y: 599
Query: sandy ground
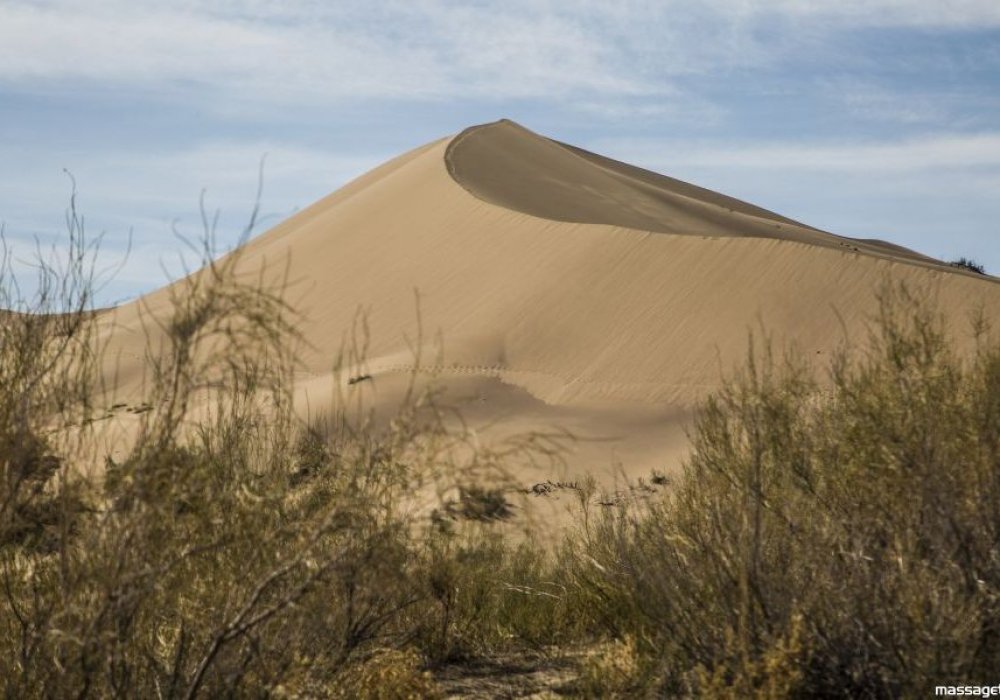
x: 556, y: 288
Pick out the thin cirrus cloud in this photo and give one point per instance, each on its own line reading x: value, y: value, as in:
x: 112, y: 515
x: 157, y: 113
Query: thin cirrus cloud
x: 301, y: 52
x: 926, y: 153
x: 427, y: 49
x: 166, y: 184
x: 137, y: 223
x: 889, y: 13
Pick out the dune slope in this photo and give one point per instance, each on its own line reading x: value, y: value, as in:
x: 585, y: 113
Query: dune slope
x: 566, y: 288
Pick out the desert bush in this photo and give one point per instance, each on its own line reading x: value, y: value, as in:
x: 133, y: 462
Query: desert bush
x: 491, y: 593
x: 234, y: 550
x: 611, y: 670
x: 386, y: 675
x: 829, y: 537
x: 46, y: 362
x: 970, y: 265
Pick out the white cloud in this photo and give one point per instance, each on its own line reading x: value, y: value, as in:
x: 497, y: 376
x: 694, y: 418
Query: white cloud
x: 227, y: 170
x: 147, y: 192
x: 425, y: 49
x: 886, y: 13
x: 870, y: 101
x: 915, y: 154
x: 253, y: 49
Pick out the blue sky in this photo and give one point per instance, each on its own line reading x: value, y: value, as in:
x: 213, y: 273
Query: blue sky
x: 868, y: 118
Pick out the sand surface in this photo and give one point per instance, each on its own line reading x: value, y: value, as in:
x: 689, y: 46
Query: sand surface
x: 556, y: 288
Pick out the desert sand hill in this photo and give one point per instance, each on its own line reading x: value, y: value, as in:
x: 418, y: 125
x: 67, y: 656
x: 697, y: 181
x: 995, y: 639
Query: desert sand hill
x: 568, y: 289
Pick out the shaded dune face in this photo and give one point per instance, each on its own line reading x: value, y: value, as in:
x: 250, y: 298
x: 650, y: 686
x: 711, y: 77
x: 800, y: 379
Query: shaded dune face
x: 505, y: 164
x: 566, y: 289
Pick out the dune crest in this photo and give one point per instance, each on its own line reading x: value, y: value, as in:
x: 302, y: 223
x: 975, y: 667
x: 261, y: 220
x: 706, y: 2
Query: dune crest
x: 508, y: 165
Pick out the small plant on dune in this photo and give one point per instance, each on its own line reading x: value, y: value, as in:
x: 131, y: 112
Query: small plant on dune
x: 970, y: 265
x: 477, y: 502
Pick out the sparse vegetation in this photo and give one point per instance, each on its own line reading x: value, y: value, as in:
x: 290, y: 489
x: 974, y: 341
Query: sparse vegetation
x: 830, y: 536
x: 970, y: 265
x: 233, y: 550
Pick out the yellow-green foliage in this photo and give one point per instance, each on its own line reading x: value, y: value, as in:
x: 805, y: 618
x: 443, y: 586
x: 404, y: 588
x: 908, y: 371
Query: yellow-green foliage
x: 384, y: 674
x: 611, y: 670
x: 207, y: 561
x: 830, y: 536
x: 234, y: 550
x: 490, y: 594
x: 388, y: 675
x: 776, y: 672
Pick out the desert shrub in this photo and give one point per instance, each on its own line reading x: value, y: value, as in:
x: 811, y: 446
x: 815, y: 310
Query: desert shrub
x: 46, y: 362
x: 490, y: 593
x: 385, y: 675
x: 830, y: 536
x: 611, y: 670
x: 970, y: 265
x: 233, y: 550
x: 483, y: 503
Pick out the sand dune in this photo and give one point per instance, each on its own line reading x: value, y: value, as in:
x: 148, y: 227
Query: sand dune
x: 567, y: 288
